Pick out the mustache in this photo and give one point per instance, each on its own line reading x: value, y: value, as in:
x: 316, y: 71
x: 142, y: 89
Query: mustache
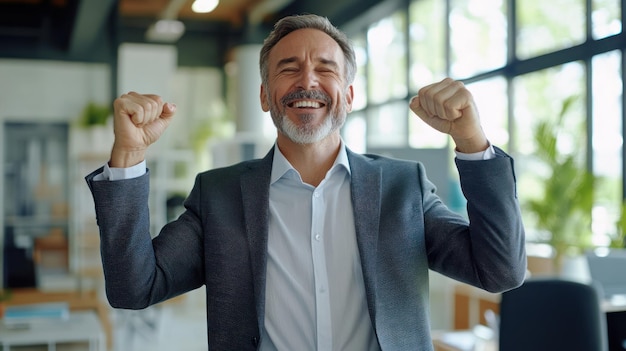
x: 307, y: 95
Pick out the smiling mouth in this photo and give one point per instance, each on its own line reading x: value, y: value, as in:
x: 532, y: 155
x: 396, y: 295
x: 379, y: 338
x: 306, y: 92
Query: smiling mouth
x: 306, y: 104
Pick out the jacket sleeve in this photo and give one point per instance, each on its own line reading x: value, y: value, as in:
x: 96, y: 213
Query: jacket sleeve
x: 140, y: 271
x: 489, y: 251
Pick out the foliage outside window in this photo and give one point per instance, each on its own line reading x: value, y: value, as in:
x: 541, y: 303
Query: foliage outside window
x: 546, y: 26
x: 477, y: 36
x: 563, y: 209
x: 605, y: 18
x: 541, y: 97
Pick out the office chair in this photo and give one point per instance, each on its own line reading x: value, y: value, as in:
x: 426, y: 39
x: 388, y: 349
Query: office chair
x: 550, y: 314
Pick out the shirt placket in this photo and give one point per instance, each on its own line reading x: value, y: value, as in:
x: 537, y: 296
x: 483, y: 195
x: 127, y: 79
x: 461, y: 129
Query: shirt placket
x: 322, y: 298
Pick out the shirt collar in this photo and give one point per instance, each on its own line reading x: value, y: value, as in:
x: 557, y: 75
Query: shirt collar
x: 281, y: 166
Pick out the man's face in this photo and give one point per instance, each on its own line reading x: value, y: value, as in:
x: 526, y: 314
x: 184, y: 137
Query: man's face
x: 306, y: 93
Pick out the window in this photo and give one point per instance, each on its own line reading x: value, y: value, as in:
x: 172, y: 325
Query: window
x: 360, y: 80
x: 427, y: 44
x: 605, y: 18
x: 477, y: 36
x: 546, y: 26
x: 387, y: 125
x: 607, y: 145
x: 387, y: 57
x: 526, y: 62
x: 554, y: 95
x: 490, y: 96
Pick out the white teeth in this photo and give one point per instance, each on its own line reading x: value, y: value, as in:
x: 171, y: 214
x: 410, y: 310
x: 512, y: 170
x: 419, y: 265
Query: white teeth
x: 312, y: 104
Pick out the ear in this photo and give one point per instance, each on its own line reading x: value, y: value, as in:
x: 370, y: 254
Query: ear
x: 265, y: 105
x: 349, y: 98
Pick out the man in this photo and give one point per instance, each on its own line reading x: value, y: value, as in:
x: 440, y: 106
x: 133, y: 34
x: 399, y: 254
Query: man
x: 313, y: 247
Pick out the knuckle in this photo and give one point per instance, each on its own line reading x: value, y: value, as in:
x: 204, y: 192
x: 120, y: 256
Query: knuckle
x: 154, y: 97
x: 458, y: 84
x: 450, y: 110
x: 439, y: 99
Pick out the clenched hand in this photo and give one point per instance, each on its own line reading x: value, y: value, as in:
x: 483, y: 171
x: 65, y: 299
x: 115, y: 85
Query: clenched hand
x: 449, y: 107
x: 139, y: 121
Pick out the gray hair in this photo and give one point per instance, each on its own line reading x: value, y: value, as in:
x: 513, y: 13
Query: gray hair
x: 292, y: 23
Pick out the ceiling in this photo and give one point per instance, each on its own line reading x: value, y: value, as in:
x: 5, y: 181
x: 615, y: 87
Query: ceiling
x: 90, y: 30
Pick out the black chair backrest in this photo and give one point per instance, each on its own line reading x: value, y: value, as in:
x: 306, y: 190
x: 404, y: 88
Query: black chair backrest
x: 550, y: 314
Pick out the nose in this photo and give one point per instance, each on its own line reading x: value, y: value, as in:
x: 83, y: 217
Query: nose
x: 308, y: 79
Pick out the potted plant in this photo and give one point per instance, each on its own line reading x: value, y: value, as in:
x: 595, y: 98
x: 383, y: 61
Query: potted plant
x: 94, y: 115
x: 563, y: 211
x: 95, y: 128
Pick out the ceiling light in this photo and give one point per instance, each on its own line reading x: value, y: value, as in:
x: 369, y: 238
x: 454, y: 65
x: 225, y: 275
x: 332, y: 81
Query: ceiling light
x: 165, y: 31
x: 204, y: 6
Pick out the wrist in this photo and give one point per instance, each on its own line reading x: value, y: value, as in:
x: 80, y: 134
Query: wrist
x: 121, y: 158
x: 472, y: 145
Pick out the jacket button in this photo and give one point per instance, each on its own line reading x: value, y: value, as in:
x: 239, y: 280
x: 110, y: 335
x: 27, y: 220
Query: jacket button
x: 255, y: 341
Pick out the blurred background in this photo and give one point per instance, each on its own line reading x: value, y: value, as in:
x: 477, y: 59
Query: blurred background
x: 548, y: 78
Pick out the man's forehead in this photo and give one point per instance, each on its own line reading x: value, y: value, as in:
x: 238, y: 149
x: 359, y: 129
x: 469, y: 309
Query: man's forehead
x: 307, y: 42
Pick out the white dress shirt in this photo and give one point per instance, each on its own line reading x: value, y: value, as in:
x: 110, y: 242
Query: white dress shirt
x: 315, y: 293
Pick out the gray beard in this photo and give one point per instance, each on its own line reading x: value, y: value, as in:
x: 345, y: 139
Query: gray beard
x: 307, y: 133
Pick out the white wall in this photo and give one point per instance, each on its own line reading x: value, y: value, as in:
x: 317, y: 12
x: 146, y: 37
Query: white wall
x: 32, y: 90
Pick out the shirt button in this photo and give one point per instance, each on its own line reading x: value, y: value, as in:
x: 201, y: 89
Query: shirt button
x: 318, y: 237
x: 316, y: 194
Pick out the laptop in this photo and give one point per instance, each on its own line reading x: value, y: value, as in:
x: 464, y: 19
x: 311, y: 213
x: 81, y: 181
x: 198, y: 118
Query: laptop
x: 607, y: 268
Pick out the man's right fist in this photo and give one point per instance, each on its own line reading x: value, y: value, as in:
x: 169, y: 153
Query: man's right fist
x: 139, y: 120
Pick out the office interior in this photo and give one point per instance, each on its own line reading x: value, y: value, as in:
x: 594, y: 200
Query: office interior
x: 548, y: 78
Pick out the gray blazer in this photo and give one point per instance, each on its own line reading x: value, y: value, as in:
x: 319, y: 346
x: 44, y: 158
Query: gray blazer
x: 403, y: 229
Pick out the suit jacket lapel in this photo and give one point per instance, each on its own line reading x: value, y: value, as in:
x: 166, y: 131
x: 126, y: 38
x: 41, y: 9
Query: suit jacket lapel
x: 366, y: 198
x: 255, y: 197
